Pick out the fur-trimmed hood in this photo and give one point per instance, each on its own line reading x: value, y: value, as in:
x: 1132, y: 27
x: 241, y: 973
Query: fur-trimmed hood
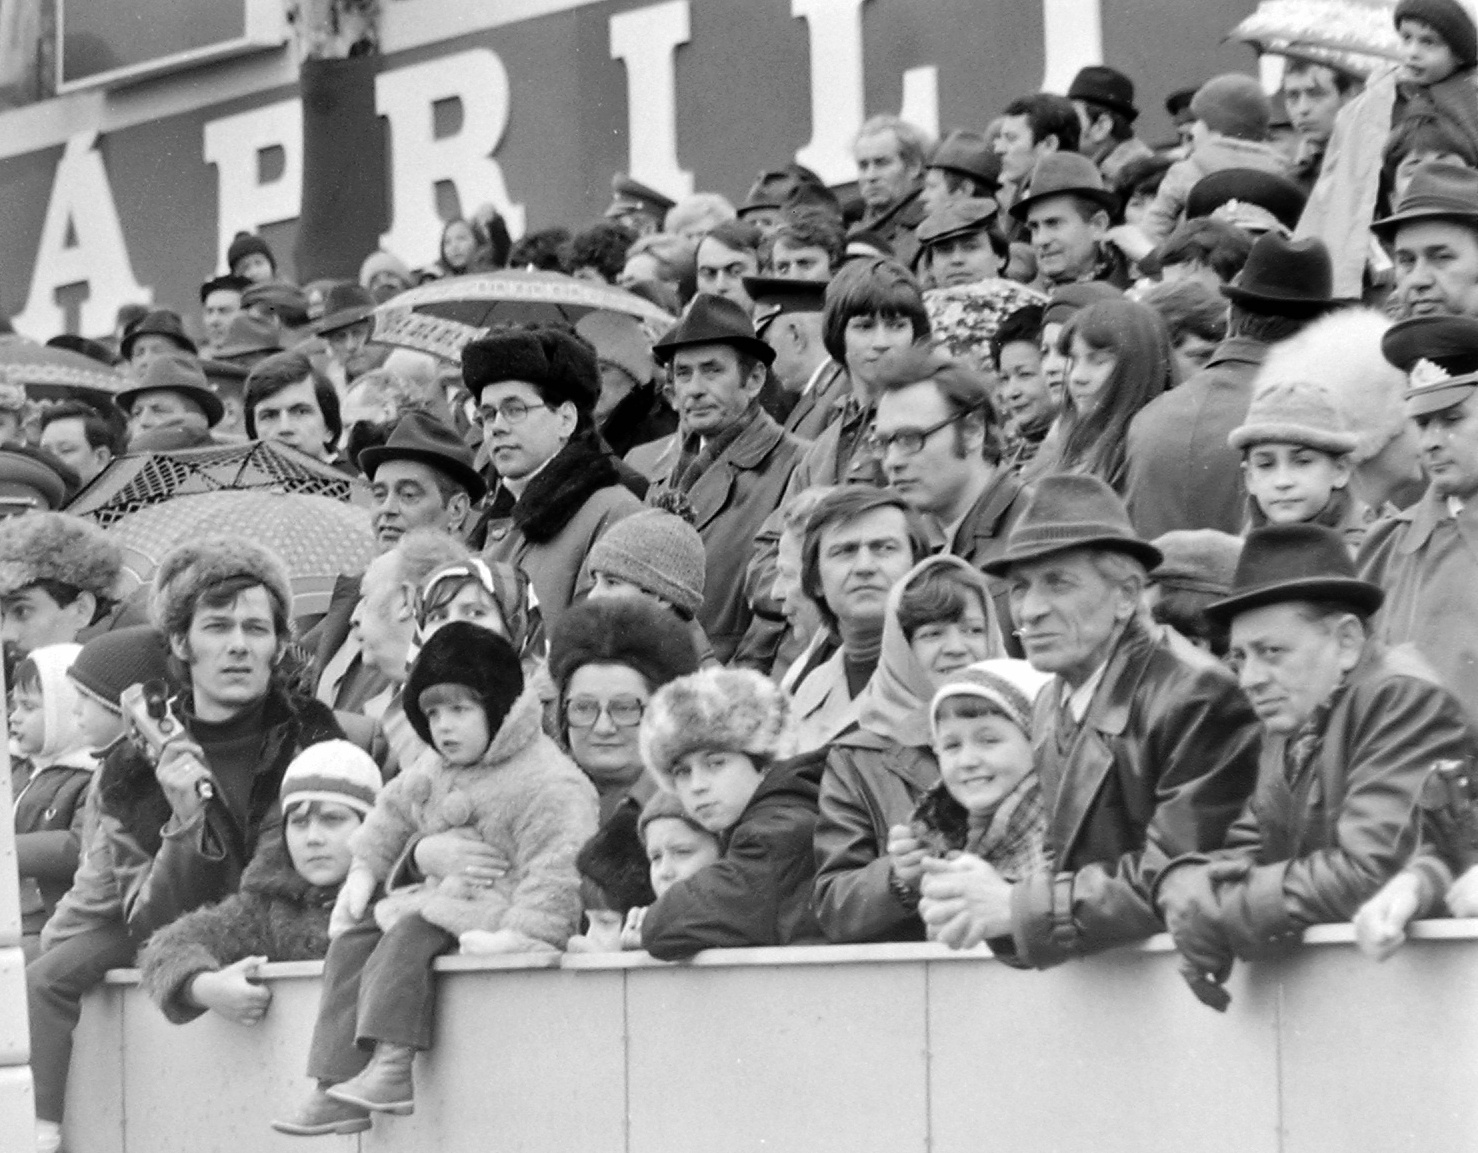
x: 271, y: 875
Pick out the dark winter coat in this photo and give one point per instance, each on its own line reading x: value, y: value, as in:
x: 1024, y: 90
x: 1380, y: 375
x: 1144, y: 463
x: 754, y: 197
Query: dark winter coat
x: 1162, y: 764
x: 759, y: 892
x: 48, y: 836
x: 639, y: 417
x: 276, y: 914
x: 1322, y: 844
x: 143, y: 869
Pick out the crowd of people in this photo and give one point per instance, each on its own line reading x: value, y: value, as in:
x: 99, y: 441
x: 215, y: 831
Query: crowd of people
x: 1062, y: 541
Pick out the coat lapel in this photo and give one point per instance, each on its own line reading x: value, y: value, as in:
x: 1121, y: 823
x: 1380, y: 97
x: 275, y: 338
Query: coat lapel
x: 710, y: 493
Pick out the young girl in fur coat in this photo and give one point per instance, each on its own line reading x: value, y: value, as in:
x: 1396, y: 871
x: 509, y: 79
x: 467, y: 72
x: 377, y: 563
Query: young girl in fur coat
x: 207, y: 960
x: 497, y: 776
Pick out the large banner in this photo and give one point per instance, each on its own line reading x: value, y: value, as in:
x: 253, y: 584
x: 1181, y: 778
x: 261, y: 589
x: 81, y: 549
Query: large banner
x: 133, y: 195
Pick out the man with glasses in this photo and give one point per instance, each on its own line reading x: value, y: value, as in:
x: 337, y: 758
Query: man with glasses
x: 733, y: 462
x: 939, y: 440
x: 536, y: 390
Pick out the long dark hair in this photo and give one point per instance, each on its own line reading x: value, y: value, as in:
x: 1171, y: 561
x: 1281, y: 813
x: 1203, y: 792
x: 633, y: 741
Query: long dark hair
x: 1144, y: 367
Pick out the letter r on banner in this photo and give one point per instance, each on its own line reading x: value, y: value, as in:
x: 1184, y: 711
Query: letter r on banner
x: 419, y: 160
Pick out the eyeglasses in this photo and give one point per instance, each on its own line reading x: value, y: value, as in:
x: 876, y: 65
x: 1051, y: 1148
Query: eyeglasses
x: 512, y: 411
x: 909, y: 441
x: 583, y: 712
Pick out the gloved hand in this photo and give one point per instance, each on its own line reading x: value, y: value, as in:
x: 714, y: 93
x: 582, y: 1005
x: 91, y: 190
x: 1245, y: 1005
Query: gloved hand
x: 1188, y: 902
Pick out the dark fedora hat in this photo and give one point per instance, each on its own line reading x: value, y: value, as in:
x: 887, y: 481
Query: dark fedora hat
x: 1439, y: 190
x: 347, y: 302
x: 969, y: 154
x: 1068, y: 511
x: 84, y: 346
x: 1267, y: 190
x: 1285, y: 278
x: 420, y: 437
x: 160, y: 322
x: 1295, y: 562
x: 1065, y: 174
x: 176, y: 372
x: 1107, y: 87
x: 957, y: 218
x: 713, y: 320
x: 249, y: 338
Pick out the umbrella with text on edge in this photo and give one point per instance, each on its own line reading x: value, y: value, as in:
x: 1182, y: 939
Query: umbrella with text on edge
x: 138, y: 480
x: 441, y: 317
x: 318, y: 538
x: 56, y: 373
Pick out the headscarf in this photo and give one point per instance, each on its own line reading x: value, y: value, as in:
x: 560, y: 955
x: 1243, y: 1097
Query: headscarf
x: 895, y: 702
x: 509, y: 589
x: 58, y: 699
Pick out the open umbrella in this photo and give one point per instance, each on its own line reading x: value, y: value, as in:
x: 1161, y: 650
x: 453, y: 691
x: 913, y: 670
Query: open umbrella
x: 55, y: 373
x: 317, y: 537
x: 138, y: 480
x: 1355, y: 36
x: 441, y: 317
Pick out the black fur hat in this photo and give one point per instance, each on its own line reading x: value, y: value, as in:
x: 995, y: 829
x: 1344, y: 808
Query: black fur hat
x: 615, y: 862
x: 631, y: 631
x: 557, y: 363
x: 465, y: 654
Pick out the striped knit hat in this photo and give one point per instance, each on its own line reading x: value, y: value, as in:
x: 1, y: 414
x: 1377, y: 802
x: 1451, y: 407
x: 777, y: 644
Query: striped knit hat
x: 339, y: 772
x: 1010, y: 686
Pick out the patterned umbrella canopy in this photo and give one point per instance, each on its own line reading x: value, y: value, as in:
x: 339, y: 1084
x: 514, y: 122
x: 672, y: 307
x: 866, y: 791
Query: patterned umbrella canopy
x: 1356, y: 36
x: 142, y: 479
x: 441, y: 317
x: 317, y: 537
x: 54, y: 372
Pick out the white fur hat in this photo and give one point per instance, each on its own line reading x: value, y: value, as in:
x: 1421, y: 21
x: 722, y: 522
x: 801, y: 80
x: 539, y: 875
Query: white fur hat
x: 729, y: 710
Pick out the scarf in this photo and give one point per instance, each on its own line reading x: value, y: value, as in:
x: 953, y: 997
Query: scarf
x: 1011, y: 838
x: 695, y: 461
x: 560, y: 489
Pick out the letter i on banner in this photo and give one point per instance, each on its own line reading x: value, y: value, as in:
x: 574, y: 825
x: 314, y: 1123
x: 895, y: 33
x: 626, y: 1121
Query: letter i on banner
x: 646, y: 40
x: 1072, y: 31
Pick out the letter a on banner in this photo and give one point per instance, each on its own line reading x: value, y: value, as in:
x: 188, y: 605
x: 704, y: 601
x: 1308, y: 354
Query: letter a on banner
x: 645, y: 39
x: 419, y: 160
x: 81, y: 242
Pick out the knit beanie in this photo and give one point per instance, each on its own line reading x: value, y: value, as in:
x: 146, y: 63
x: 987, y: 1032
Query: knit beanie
x: 557, y: 363
x: 1007, y: 685
x: 1450, y: 20
x: 626, y: 631
x: 615, y: 861
x: 1294, y: 412
x: 381, y: 261
x: 244, y: 244
x: 112, y: 662
x: 664, y: 807
x: 59, y: 547
x: 659, y: 553
x: 473, y: 657
x: 187, y: 570
x: 1198, y: 560
x: 715, y: 709
x: 339, y: 772
x: 1233, y: 104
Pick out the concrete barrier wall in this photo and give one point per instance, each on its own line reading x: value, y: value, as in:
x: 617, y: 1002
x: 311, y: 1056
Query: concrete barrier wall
x: 870, y: 1049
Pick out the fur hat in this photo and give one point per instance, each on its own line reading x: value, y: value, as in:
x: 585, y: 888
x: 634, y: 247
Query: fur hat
x: 1233, y: 104
x: 622, y: 631
x: 190, y: 569
x: 339, y: 772
x: 615, y: 861
x: 560, y: 365
x: 473, y: 657
x: 1294, y: 412
x: 113, y: 661
x: 58, y: 547
x: 1450, y: 20
x: 1343, y: 352
x: 381, y: 261
x: 727, y: 710
x: 659, y: 552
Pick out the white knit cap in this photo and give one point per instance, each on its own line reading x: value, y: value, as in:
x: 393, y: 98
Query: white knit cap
x: 337, y: 772
x: 1009, y: 685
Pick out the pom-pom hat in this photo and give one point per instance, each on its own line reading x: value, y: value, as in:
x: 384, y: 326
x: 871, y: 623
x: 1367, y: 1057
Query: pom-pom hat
x: 658, y: 552
x: 716, y: 709
x: 335, y: 772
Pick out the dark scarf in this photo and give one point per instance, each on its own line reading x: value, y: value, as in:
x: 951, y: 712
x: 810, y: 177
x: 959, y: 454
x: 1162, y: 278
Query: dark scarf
x: 1303, y: 746
x: 560, y: 489
x: 695, y: 460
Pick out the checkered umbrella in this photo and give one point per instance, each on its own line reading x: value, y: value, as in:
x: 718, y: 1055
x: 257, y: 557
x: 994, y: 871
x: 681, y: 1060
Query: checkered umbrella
x: 317, y: 537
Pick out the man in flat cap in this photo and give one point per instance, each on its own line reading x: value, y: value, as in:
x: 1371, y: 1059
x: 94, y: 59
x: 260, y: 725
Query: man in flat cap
x: 1426, y: 556
x: 787, y: 317
x: 636, y: 206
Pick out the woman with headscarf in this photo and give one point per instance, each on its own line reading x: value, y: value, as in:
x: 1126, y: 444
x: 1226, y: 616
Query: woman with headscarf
x: 940, y: 619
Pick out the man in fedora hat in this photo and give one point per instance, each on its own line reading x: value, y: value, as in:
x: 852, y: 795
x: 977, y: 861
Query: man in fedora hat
x: 158, y: 333
x: 1067, y: 211
x: 1426, y: 556
x: 1145, y: 746
x: 346, y: 324
x: 1352, y: 732
x: 1182, y: 473
x: 1433, y: 235
x: 964, y: 167
x: 172, y: 390
x: 1104, y: 99
x: 733, y: 460
x: 290, y: 402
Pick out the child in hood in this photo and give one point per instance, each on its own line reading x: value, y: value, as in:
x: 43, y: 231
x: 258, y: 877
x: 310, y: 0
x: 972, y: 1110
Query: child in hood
x: 52, y: 769
x: 497, y: 776
x: 207, y: 960
x: 716, y: 740
x: 988, y: 802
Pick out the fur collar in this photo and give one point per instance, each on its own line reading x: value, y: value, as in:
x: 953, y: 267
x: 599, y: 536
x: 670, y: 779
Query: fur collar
x: 561, y: 488
x: 520, y: 728
x: 271, y: 875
